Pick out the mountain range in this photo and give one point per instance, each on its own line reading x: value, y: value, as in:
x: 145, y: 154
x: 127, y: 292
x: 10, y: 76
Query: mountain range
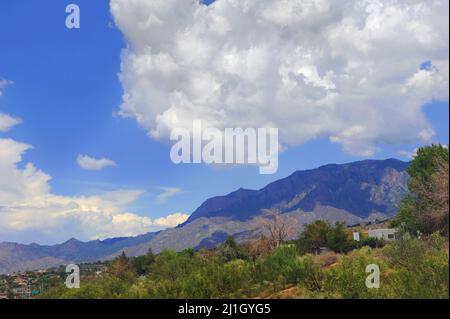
x: 351, y: 193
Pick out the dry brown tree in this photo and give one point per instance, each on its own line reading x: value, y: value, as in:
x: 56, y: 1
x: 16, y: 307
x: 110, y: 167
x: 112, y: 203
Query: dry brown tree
x: 259, y: 247
x: 275, y: 227
x: 436, y: 195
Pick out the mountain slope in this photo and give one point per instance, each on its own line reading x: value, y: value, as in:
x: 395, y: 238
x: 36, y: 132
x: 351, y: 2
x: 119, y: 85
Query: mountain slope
x: 360, y: 188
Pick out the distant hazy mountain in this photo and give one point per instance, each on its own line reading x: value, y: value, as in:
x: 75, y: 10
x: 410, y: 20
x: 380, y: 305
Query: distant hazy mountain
x: 351, y: 193
x: 15, y: 257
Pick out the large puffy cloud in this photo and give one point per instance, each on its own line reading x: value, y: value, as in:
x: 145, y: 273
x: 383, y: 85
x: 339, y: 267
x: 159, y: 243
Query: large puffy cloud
x: 30, y: 212
x: 346, y: 70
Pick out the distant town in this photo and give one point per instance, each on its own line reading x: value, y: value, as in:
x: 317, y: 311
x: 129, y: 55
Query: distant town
x: 31, y: 284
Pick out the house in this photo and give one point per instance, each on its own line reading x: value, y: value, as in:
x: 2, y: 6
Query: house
x: 386, y: 234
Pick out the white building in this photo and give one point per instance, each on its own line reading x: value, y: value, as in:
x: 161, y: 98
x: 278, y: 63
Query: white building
x: 386, y: 234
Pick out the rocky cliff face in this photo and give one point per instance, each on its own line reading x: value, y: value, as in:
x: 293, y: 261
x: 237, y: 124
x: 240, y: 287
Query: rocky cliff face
x: 361, y: 188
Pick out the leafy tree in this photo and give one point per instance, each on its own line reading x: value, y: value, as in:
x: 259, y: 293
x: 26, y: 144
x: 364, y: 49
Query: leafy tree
x: 322, y: 234
x: 313, y: 237
x: 231, y: 242
x: 426, y: 209
x: 338, y: 240
x: 121, y: 268
x: 231, y: 250
x: 406, y: 216
x: 141, y: 264
x: 425, y: 163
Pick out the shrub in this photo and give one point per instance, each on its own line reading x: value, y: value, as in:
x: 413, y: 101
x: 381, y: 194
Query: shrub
x: 372, y: 242
x: 165, y: 289
x: 348, y: 279
x: 421, y: 267
x: 198, y: 286
x: 284, y: 267
x: 231, y: 250
x: 170, y: 265
x: 279, y: 266
x: 310, y: 274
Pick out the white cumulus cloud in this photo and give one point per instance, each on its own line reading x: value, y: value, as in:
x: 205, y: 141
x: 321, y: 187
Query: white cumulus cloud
x: 345, y: 70
x: 29, y: 211
x: 170, y: 221
x: 91, y: 163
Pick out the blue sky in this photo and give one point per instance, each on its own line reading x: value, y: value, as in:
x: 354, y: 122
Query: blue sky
x: 66, y: 90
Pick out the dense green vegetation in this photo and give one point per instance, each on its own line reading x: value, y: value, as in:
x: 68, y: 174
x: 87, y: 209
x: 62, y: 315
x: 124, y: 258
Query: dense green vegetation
x: 410, y: 268
x: 321, y: 234
x: 414, y: 266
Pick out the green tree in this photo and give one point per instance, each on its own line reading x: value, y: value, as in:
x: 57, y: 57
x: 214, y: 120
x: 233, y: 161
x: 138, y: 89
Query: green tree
x: 313, y: 237
x: 141, y: 264
x: 426, y: 209
x: 406, y: 216
x: 322, y: 234
x: 121, y: 268
x: 425, y: 163
x: 231, y: 250
x: 338, y: 240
